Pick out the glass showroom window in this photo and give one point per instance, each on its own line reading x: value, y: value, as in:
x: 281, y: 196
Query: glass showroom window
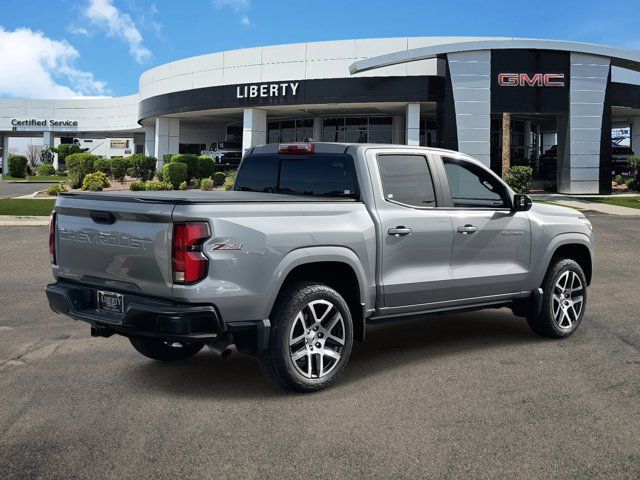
x: 286, y: 131
x: 357, y: 130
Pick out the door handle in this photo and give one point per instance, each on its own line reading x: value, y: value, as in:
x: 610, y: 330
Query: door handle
x: 399, y: 231
x: 467, y: 229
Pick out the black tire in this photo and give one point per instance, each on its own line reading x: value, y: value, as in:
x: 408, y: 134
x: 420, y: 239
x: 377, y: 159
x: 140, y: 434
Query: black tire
x: 546, y: 323
x: 163, y: 351
x: 298, y: 375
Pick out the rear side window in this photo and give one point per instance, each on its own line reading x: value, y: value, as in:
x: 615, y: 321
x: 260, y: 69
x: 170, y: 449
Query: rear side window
x: 406, y: 179
x: 314, y: 174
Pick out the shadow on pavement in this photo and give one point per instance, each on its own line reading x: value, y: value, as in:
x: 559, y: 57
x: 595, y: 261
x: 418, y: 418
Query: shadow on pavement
x: 387, y: 347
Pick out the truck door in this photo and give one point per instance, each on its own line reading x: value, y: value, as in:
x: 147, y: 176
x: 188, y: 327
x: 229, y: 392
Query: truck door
x: 416, y: 237
x: 492, y: 245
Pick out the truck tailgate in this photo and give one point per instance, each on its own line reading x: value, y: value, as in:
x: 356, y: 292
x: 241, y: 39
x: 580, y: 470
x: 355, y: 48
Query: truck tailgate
x: 115, y: 244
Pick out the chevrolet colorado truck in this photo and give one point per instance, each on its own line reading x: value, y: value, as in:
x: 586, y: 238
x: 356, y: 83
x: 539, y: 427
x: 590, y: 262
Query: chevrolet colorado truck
x: 314, y: 242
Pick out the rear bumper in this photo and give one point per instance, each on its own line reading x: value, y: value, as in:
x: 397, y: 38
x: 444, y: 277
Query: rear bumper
x: 150, y: 317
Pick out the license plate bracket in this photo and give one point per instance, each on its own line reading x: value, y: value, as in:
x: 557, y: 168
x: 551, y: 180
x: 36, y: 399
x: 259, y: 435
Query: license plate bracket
x: 110, y: 302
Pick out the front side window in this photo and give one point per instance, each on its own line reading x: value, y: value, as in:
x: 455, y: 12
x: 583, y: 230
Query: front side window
x: 472, y: 187
x: 406, y: 179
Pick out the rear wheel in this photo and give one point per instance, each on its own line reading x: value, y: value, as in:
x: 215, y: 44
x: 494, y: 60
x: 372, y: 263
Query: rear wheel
x: 165, y: 351
x: 310, y: 340
x: 563, y: 302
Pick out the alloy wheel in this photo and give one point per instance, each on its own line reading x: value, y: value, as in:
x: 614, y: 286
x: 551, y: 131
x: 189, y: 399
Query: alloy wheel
x: 567, y: 300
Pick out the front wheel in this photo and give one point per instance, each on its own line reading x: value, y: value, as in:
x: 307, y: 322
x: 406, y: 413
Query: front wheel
x: 563, y: 302
x: 310, y: 340
x: 165, y: 351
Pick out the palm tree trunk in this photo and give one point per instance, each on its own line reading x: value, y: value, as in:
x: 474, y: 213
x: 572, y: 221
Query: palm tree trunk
x: 506, y: 143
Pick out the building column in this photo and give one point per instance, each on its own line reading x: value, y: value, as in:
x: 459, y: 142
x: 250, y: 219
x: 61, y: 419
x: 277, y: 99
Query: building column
x: 635, y: 135
x: 5, y: 155
x: 166, y: 138
x: 527, y: 140
x: 471, y: 85
x: 580, y: 172
x: 413, y: 124
x: 254, y: 128
x: 397, y: 130
x: 150, y: 141
x: 317, y: 129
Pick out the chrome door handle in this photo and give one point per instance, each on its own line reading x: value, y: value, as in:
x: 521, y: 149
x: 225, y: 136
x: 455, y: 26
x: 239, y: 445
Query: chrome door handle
x: 399, y: 231
x: 467, y: 229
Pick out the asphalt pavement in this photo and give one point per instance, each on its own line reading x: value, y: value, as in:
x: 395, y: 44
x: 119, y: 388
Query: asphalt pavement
x: 473, y: 395
x: 11, y: 189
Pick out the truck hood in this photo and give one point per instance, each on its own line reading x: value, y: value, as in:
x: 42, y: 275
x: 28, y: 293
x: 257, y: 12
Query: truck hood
x: 555, y: 210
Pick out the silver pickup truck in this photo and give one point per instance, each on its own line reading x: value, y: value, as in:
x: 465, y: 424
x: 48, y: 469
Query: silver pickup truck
x: 315, y: 242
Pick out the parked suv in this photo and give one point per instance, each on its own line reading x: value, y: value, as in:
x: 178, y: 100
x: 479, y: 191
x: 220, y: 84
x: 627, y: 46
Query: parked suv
x: 315, y: 242
x: 225, y: 152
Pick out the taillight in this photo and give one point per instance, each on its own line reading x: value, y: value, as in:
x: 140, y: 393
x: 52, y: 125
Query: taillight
x: 189, y: 262
x: 52, y: 237
x: 296, y: 148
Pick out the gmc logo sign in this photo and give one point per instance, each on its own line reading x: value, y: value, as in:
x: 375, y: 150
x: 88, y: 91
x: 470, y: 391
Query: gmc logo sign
x: 536, y: 80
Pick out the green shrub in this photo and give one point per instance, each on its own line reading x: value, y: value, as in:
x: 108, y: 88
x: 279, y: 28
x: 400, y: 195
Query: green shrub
x: 175, y: 173
x: 56, y: 189
x: 46, y: 156
x: 119, y: 168
x: 618, y: 180
x: 95, y: 178
x: 231, y: 178
x: 79, y: 165
x: 550, y: 187
x: 67, y: 149
x: 94, y: 186
x: 17, y: 166
x: 219, y: 178
x: 632, y: 183
x: 520, y: 179
x: 196, y: 183
x: 166, y: 158
x: 46, y: 169
x: 205, y: 166
x: 206, y: 184
x: 182, y: 186
x: 154, y: 185
x: 191, y: 161
x: 102, y: 165
x: 137, y: 186
x: 144, y: 167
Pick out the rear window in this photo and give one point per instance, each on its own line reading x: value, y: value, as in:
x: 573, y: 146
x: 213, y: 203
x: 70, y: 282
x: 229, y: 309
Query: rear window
x: 320, y: 174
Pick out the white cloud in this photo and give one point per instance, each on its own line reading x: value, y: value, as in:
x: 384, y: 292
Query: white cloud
x: 36, y: 66
x: 238, y: 6
x: 79, y: 31
x: 104, y: 15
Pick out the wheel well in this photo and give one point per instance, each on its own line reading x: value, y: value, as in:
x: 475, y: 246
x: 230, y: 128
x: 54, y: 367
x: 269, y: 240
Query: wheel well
x: 342, y: 279
x: 580, y: 254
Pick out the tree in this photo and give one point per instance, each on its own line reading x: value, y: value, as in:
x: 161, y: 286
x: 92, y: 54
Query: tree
x: 66, y: 149
x: 33, y: 155
x: 46, y: 155
x: 506, y: 143
x: 634, y: 167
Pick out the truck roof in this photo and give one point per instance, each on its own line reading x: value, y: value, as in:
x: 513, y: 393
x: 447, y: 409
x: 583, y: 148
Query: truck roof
x: 334, y: 147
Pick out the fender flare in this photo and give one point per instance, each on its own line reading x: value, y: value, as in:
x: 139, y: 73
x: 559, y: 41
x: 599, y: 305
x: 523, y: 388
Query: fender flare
x: 556, y: 242
x: 307, y: 255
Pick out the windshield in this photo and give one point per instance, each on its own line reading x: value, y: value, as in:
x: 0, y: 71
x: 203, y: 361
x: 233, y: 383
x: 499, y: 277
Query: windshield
x: 320, y: 174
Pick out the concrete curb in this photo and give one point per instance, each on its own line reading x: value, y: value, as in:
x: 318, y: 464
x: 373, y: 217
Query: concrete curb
x: 15, y: 220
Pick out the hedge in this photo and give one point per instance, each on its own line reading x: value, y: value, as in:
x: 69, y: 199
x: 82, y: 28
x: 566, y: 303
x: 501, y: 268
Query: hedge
x: 519, y: 179
x: 219, y: 178
x: 206, y: 184
x: 17, y: 166
x: 102, y: 165
x: 46, y: 169
x: 206, y: 166
x: 78, y: 166
x: 143, y: 167
x: 119, y: 168
x: 95, y: 181
x: 175, y: 173
x: 191, y: 161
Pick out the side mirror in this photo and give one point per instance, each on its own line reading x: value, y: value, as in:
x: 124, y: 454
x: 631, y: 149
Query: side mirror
x: 521, y: 203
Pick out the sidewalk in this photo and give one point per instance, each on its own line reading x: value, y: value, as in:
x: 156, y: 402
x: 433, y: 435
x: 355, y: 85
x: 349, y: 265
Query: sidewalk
x: 582, y: 203
x: 14, y: 220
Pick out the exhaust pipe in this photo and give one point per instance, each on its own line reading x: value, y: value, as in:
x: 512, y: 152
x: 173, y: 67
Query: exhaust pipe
x: 222, y: 346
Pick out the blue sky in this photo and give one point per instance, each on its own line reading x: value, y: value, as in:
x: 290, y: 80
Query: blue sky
x: 66, y: 48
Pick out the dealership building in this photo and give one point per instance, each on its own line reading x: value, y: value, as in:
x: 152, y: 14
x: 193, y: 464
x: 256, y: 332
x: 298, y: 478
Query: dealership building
x: 564, y: 98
